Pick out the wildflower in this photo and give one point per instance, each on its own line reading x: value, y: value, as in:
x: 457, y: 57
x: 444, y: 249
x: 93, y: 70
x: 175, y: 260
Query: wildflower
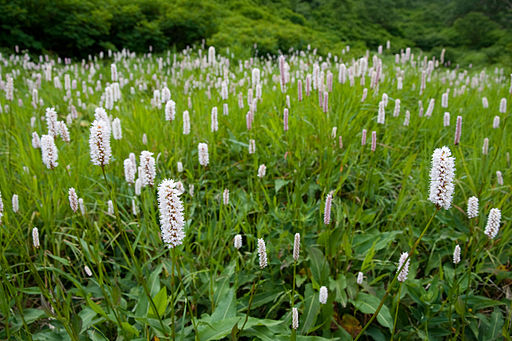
x: 296, y: 247
x: 225, y: 196
x: 144, y: 139
x: 237, y: 243
x: 262, y: 170
x: 129, y: 171
x: 430, y: 107
x: 327, y: 210
x: 499, y: 177
x: 63, y: 131
x: 472, y: 207
x: 252, y: 146
x: 374, y: 141
x: 396, y: 112
x: 365, y: 93
x: 493, y: 223
x: 88, y: 271
x: 147, y: 171
x: 458, y: 129
x: 295, y: 318
x: 285, y: 119
x: 446, y: 119
x: 407, y: 118
x: 214, y: 123
x: 360, y: 278
x: 202, y: 153
x: 363, y: 137
x: 36, y: 141
x: 15, y: 203
x: 51, y: 121
x: 110, y: 206
x: 101, y: 115
x: 1, y: 208
x: 116, y: 129
x: 299, y: 90
x: 81, y: 205
x: 496, y: 122
x: 444, y: 100
x: 441, y: 178
x: 171, y: 213
x: 402, y: 276
x: 73, y: 199
x: 485, y: 146
x: 485, y: 103
x: 35, y: 237
x: 503, y: 105
x: 381, y: 118
x: 134, y: 207
x: 49, y: 151
x: 99, y: 143
x: 186, y: 123
x: 323, y: 295
x: 456, y: 254
x: 262, y: 251
x: 170, y: 110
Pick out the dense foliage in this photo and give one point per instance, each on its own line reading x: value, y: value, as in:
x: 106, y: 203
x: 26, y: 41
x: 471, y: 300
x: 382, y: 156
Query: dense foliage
x: 478, y: 31
x: 98, y: 268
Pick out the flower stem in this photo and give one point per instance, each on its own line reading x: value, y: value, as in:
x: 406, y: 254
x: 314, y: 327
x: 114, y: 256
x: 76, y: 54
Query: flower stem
x: 396, y: 276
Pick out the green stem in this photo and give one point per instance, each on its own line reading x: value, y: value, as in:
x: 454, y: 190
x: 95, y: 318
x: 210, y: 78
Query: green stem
x: 253, y: 290
x: 396, y: 311
x: 396, y: 276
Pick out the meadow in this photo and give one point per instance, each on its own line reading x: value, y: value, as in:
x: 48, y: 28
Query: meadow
x: 194, y: 195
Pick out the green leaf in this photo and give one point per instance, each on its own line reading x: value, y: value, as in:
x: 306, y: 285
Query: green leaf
x: 369, y: 256
x: 311, y: 309
x: 160, y: 301
x: 154, y: 280
x: 226, y: 308
x: 96, y: 307
x: 216, y: 330
x: 493, y: 331
x: 279, y: 183
x: 481, y: 302
x: 31, y: 315
x: 319, y: 266
x: 368, y: 304
x: 129, y: 328
x: 87, y: 315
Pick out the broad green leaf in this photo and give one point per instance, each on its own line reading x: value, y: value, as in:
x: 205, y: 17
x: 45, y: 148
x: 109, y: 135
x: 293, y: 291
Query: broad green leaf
x: 368, y: 304
x: 160, y: 300
x: 129, y: 328
x: 493, y: 331
x: 310, y: 311
x: 87, y: 315
x: 96, y: 307
x: 31, y: 315
x: 279, y: 183
x: 226, y: 308
x: 154, y: 280
x: 319, y: 266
